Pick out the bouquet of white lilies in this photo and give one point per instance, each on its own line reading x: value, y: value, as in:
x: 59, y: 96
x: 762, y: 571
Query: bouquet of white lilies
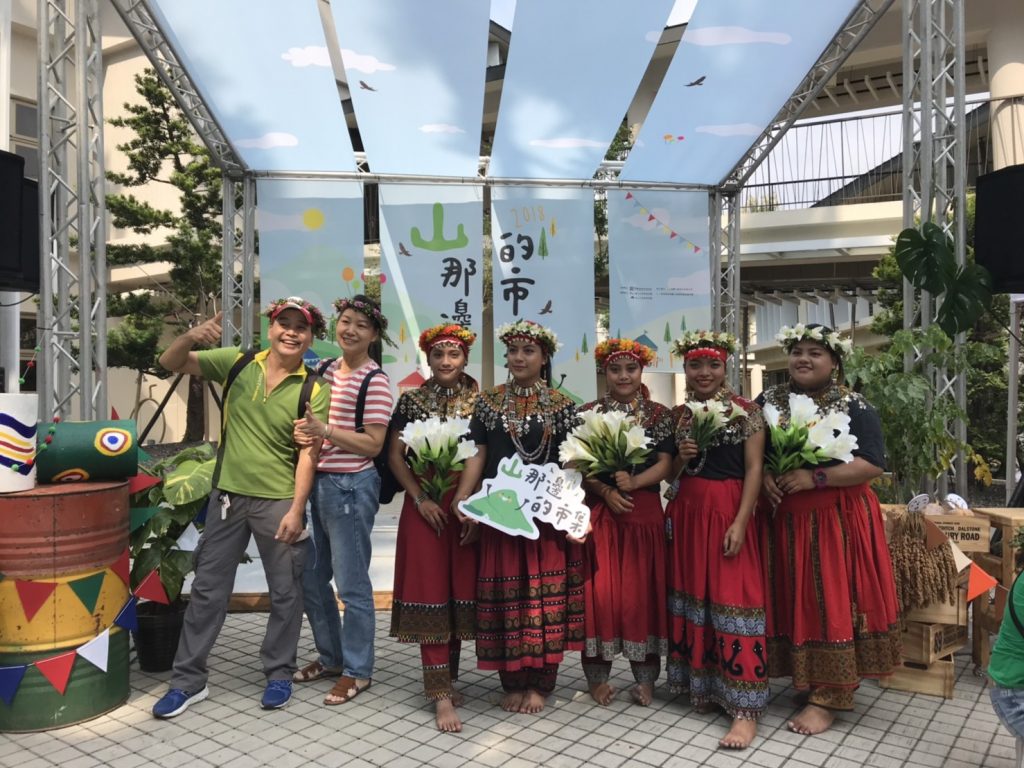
x: 437, y: 452
x: 709, y: 417
x: 808, y: 437
x: 605, y: 443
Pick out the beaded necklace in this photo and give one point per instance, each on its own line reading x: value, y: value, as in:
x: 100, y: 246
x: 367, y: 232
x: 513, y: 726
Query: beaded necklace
x: 519, y: 405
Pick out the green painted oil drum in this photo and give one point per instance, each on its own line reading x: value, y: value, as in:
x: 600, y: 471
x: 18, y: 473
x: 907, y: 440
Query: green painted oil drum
x: 62, y: 542
x: 79, y: 451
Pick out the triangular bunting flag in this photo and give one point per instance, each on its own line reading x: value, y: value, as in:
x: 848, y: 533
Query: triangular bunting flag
x: 10, y: 679
x: 933, y: 535
x: 651, y: 217
x: 189, y: 539
x: 978, y: 582
x: 33, y: 594
x: 96, y: 650
x: 643, y: 210
x: 140, y: 516
x: 88, y: 589
x: 141, y: 482
x: 674, y: 234
x: 696, y: 249
x: 57, y: 670
x: 959, y: 558
x: 127, y: 618
x: 629, y: 195
x: 151, y: 588
x: 113, y: 414
x: 201, y: 515
x: 121, y: 567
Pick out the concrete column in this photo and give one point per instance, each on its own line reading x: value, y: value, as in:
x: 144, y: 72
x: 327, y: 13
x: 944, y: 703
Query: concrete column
x: 1006, y: 78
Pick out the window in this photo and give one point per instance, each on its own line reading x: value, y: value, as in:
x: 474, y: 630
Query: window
x: 25, y: 135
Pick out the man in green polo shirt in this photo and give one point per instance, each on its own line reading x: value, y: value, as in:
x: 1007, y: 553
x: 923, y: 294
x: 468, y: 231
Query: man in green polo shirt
x: 260, y: 489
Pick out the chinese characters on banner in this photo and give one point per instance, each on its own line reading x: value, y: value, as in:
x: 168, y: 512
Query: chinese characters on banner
x: 658, y: 269
x: 311, y: 245
x: 522, y: 494
x: 431, y: 271
x: 544, y: 271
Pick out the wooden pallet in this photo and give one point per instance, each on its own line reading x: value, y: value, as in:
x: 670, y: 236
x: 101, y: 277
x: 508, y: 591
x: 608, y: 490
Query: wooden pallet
x: 935, y: 679
x: 926, y: 643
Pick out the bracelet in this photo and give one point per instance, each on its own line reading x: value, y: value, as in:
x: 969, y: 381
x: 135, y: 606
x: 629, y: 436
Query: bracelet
x: 421, y: 498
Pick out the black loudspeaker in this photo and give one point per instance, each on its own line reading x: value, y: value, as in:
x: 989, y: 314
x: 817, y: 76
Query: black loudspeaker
x: 19, y: 226
x: 999, y: 227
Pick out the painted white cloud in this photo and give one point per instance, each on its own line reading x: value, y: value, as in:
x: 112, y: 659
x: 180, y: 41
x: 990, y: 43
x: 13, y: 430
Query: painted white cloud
x: 440, y: 128
x: 269, y: 141
x: 695, y: 281
x: 310, y: 56
x: 268, y: 221
x: 733, y: 36
x: 566, y: 142
x: 643, y: 220
x: 653, y: 36
x: 364, y: 62
x: 731, y: 129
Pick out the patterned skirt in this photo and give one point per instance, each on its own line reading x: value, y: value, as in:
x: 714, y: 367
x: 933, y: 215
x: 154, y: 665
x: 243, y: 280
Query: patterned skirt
x: 435, y: 580
x: 717, y: 647
x: 529, y: 600
x: 832, y: 615
x: 624, y: 581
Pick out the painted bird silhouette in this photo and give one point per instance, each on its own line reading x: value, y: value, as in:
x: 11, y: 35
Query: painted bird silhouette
x: 365, y: 87
x: 403, y: 250
x: 547, y: 309
x: 698, y: 81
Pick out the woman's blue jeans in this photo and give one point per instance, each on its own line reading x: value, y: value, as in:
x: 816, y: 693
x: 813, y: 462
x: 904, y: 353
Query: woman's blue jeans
x: 343, y: 508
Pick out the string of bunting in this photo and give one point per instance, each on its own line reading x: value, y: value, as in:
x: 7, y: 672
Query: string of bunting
x: 672, y: 234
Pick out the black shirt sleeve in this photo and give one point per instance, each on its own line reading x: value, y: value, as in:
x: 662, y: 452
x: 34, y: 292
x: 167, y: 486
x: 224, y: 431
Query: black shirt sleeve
x: 867, y: 427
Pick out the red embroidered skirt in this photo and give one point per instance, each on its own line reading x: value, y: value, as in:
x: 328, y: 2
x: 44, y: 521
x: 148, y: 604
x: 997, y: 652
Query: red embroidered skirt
x: 529, y: 599
x: 624, y: 580
x: 832, y: 616
x: 435, y: 580
x: 717, y: 648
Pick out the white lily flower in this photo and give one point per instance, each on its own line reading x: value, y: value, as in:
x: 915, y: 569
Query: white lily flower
x: 464, y: 450
x: 636, y: 438
x: 573, y: 449
x: 802, y: 410
x: 842, y: 447
x: 771, y: 414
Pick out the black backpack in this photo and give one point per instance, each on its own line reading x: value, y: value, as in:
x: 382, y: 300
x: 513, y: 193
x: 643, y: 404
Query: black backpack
x: 389, y: 484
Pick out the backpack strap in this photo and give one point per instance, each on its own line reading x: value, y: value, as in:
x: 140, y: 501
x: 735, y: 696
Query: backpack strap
x: 361, y: 397
x: 312, y: 377
x: 1013, y: 611
x: 243, y: 359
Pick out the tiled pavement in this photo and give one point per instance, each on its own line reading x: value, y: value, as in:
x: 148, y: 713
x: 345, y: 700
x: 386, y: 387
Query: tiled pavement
x: 392, y: 725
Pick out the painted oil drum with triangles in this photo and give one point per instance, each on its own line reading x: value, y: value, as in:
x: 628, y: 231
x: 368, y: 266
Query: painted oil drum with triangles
x: 64, y: 566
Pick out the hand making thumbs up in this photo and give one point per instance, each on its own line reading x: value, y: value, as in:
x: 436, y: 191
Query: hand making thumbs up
x: 207, y: 333
x: 309, y: 428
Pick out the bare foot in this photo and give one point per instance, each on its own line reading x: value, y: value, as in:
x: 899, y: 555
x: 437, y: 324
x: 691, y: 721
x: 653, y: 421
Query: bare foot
x: 447, y: 718
x: 811, y: 719
x: 642, y: 693
x: 533, y: 702
x: 602, y: 693
x: 511, y: 702
x: 740, y: 735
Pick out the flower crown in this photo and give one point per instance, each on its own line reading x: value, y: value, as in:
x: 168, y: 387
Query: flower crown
x: 311, y: 312
x: 788, y: 336
x: 447, y: 332
x: 527, y: 329
x: 610, y: 348
x: 692, y: 340
x: 369, y: 309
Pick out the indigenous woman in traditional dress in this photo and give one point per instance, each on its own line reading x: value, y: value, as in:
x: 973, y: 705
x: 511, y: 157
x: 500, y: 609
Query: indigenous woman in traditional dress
x: 832, y: 610
x: 435, y: 577
x: 624, y: 556
x: 529, y: 591
x: 716, y: 588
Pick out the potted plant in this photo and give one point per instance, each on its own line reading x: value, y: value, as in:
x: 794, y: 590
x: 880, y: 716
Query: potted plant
x: 187, y: 480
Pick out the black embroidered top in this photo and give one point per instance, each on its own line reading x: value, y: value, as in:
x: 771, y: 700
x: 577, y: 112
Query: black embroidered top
x: 430, y: 399
x: 724, y: 459
x: 864, y: 422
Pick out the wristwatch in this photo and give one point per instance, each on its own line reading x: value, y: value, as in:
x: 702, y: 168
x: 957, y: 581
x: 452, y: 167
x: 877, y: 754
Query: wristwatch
x: 820, y: 478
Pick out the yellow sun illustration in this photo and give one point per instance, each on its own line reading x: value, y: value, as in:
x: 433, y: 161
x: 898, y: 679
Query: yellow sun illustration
x: 313, y: 218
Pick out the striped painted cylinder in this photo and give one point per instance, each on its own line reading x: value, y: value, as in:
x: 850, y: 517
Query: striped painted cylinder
x: 18, y: 428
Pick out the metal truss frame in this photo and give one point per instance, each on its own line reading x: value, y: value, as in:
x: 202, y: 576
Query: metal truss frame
x: 72, y: 312
x: 856, y: 27
x: 239, y: 262
x: 724, y: 258
x: 934, y: 168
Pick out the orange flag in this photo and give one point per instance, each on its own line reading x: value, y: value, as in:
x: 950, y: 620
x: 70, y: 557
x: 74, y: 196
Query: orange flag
x: 58, y: 669
x: 978, y: 582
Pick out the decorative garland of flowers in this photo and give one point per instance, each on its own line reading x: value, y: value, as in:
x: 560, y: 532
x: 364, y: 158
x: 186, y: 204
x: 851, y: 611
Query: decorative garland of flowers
x: 451, y: 332
x: 527, y: 329
x: 692, y: 340
x: 788, y: 336
x: 316, y: 317
x: 372, y: 311
x: 610, y: 348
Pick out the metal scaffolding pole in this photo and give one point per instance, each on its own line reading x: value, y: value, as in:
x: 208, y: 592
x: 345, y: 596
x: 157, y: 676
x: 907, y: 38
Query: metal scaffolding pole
x: 238, y: 275
x: 72, y: 363
x: 724, y: 257
x: 934, y: 168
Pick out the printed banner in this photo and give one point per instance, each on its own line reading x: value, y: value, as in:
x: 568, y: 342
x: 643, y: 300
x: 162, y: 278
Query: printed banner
x: 658, y: 269
x: 311, y: 245
x: 543, y: 267
x: 432, y: 271
x: 520, y: 495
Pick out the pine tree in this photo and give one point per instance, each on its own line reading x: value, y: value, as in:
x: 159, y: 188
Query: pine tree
x: 668, y: 333
x: 542, y: 250
x: 583, y: 347
x: 164, y: 150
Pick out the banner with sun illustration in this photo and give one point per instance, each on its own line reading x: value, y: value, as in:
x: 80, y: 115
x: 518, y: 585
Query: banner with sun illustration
x: 432, y: 271
x: 310, y: 245
x: 658, y: 269
x: 543, y: 268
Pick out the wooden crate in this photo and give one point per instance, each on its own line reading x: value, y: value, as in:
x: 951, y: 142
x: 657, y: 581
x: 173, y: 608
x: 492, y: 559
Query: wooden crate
x: 935, y: 679
x: 971, y: 534
x: 942, y: 613
x: 926, y: 643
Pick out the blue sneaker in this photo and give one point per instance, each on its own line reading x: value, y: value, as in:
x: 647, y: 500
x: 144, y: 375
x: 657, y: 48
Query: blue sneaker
x: 277, y: 694
x: 176, y: 701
